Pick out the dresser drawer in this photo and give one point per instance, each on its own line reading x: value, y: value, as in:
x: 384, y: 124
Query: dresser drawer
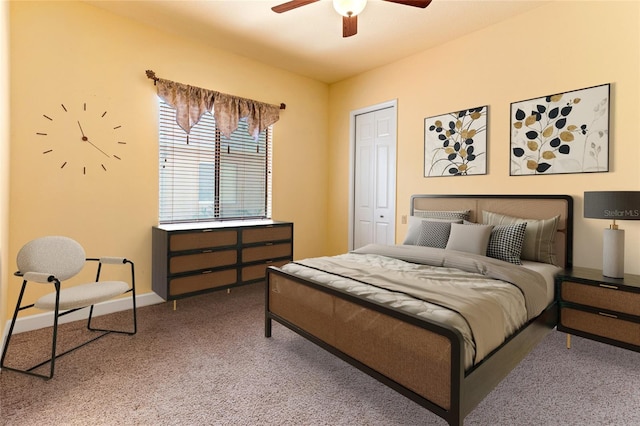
x: 268, y: 233
x: 601, y: 325
x: 202, y: 239
x: 605, y: 296
x: 204, y: 281
x: 266, y: 252
x: 255, y: 272
x: 194, y: 262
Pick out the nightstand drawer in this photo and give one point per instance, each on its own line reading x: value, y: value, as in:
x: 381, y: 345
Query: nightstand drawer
x: 604, y: 296
x: 601, y: 325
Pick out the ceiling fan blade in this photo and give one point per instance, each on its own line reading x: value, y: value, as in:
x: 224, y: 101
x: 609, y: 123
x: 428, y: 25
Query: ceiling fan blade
x: 284, y: 7
x: 349, y: 26
x: 415, y: 3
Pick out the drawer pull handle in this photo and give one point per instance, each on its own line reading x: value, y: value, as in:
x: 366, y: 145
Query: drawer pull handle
x: 607, y: 315
x: 269, y: 261
x: 207, y: 272
x: 269, y: 244
x: 207, y: 230
x: 612, y: 287
x: 207, y: 251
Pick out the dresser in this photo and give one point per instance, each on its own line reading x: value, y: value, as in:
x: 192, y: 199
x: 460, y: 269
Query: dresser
x: 600, y: 308
x: 190, y: 259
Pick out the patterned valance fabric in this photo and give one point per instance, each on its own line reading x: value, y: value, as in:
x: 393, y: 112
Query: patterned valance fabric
x: 191, y: 102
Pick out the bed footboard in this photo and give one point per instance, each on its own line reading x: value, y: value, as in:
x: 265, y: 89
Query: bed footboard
x: 418, y: 358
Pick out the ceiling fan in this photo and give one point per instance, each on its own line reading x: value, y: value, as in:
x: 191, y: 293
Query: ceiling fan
x: 349, y: 9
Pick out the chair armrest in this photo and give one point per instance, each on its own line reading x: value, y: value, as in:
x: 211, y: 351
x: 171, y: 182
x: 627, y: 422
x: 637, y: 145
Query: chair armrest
x: 112, y: 260
x: 108, y: 260
x: 39, y: 277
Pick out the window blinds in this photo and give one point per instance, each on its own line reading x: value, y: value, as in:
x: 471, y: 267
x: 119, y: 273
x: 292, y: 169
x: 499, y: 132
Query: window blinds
x: 206, y: 176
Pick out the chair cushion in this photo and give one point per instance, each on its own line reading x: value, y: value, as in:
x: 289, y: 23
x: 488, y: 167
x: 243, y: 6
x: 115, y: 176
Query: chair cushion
x: 82, y: 295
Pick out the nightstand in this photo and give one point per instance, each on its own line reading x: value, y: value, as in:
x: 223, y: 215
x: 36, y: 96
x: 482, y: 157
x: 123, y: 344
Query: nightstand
x: 599, y: 308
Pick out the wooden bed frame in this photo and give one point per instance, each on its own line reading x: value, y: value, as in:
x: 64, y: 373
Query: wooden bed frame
x: 419, y: 358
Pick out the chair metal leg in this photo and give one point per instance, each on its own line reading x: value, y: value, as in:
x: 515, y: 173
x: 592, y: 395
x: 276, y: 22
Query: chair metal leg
x: 132, y: 290
x: 55, y: 328
x: 54, y: 336
x: 13, y: 323
x: 133, y: 297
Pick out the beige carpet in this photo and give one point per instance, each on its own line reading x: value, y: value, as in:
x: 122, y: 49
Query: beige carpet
x: 208, y: 363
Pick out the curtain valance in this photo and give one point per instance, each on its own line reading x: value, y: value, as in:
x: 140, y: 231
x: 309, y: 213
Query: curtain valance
x: 191, y: 102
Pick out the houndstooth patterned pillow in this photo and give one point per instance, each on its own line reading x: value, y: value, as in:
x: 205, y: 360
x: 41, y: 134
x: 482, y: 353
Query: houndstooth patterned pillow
x: 434, y: 234
x: 506, y: 242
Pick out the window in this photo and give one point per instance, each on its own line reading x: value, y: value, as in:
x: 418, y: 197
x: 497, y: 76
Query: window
x: 207, y: 177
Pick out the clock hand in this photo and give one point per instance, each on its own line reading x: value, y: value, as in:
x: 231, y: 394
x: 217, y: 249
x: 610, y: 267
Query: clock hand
x: 97, y: 148
x: 84, y: 138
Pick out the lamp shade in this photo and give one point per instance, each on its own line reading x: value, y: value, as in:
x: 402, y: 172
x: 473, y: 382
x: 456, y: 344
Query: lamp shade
x: 613, y: 205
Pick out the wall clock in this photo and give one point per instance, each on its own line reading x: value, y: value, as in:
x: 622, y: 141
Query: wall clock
x: 82, y: 138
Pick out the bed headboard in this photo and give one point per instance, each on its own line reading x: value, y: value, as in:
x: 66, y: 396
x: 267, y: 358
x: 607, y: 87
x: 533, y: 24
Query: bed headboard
x: 523, y: 206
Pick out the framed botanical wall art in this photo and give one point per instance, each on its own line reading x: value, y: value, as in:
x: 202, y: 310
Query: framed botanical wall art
x: 562, y: 133
x: 455, y: 144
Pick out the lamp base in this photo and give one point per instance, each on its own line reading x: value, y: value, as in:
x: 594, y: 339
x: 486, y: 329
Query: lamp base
x: 613, y: 253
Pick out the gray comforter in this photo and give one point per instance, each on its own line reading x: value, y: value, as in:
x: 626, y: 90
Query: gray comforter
x: 461, y: 282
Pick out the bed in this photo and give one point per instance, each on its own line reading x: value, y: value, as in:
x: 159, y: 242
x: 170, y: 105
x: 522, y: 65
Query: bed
x: 396, y: 335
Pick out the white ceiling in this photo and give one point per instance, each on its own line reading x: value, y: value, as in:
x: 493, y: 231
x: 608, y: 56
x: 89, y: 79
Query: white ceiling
x: 308, y: 40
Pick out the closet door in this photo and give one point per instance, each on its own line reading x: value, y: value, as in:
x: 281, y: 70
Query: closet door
x: 375, y: 177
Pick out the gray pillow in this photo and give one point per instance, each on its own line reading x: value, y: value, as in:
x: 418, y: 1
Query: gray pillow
x: 413, y: 232
x: 434, y: 234
x: 470, y: 239
x: 443, y: 214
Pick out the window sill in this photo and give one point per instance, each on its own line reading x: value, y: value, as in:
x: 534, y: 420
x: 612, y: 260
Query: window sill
x: 210, y: 225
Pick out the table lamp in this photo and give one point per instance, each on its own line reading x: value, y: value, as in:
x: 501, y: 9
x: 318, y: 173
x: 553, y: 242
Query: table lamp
x: 614, y: 205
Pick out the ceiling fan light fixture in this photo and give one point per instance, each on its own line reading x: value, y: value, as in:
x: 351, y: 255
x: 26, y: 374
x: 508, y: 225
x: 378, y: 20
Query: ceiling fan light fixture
x: 349, y: 7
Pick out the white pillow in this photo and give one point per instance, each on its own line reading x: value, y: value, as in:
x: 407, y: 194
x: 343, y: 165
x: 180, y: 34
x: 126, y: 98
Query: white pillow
x: 469, y: 238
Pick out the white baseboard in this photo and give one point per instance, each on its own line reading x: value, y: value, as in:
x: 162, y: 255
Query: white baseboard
x: 35, y: 322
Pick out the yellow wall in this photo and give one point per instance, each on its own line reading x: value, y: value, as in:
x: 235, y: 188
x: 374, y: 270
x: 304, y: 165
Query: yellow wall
x: 4, y: 159
x: 554, y: 48
x: 71, y: 53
